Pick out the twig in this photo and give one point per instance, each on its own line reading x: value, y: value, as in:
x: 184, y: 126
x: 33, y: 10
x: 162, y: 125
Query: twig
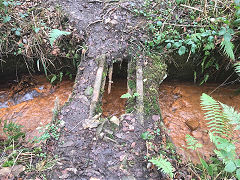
x: 205, y: 7
x: 95, y: 1
x: 184, y: 25
x: 94, y: 22
x: 215, y: 6
x: 221, y: 84
x: 15, y: 160
x: 190, y: 7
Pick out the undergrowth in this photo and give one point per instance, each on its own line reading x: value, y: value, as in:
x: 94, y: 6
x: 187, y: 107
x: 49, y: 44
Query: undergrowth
x: 28, y: 30
x: 35, y: 157
x: 208, y: 30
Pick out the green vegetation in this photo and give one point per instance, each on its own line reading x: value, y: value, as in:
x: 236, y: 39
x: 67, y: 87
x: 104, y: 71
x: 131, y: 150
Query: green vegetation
x: 29, y: 34
x: 33, y: 156
x: 202, y: 31
x: 220, y: 117
x: 164, y: 165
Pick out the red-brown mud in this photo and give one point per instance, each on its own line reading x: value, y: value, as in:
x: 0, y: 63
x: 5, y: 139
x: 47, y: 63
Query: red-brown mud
x: 112, y: 103
x: 182, y: 114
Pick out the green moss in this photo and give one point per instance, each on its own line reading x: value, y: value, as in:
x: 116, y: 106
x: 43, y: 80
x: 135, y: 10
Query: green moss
x: 98, y: 108
x: 132, y: 84
x: 154, y: 74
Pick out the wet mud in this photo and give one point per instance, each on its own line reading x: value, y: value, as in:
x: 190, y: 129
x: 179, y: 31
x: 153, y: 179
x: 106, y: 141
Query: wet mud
x: 182, y: 114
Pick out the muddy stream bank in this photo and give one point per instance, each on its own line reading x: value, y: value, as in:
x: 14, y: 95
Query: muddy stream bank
x: 180, y: 105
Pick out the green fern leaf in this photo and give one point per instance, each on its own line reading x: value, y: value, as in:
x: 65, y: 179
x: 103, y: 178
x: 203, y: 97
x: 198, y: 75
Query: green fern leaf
x: 192, y: 142
x: 230, y: 114
x: 164, y: 165
x: 237, y: 68
x: 56, y: 33
x: 228, y: 46
x: 217, y: 120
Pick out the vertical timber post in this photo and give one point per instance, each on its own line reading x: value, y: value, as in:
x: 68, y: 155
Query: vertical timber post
x: 97, y: 85
x: 110, y: 78
x: 139, y: 89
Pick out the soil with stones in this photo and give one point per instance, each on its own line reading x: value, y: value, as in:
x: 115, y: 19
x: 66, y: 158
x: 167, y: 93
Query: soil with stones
x: 107, y: 150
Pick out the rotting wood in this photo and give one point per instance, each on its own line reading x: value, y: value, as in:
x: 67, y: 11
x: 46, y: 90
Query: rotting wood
x: 128, y: 78
x: 97, y: 85
x: 110, y: 78
x: 139, y: 89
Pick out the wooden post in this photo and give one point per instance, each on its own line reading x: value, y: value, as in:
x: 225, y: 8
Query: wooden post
x: 97, y: 85
x: 110, y: 78
x: 139, y: 89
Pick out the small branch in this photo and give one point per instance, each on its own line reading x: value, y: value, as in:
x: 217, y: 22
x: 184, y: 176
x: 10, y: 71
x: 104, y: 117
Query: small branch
x: 110, y: 78
x: 184, y: 25
x: 205, y: 7
x: 190, y: 7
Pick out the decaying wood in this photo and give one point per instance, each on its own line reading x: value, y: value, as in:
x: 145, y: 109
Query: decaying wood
x: 128, y: 78
x: 97, y: 85
x: 110, y: 78
x: 139, y: 85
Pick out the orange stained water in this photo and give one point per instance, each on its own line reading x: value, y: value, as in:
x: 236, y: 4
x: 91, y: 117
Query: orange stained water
x: 180, y: 106
x: 36, y: 113
x: 112, y: 103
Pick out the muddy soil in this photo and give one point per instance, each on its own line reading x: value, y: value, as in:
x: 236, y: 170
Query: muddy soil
x: 182, y: 114
x: 105, y: 151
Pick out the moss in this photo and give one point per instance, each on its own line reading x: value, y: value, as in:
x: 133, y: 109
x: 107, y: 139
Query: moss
x: 98, y: 108
x: 132, y: 84
x: 154, y: 73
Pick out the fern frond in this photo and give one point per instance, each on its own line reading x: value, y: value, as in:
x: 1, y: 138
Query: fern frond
x: 192, y: 142
x: 228, y: 46
x: 230, y: 114
x: 56, y: 33
x: 237, y: 68
x: 218, y: 123
x: 164, y: 165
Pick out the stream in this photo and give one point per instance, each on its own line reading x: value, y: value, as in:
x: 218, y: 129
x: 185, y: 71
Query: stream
x: 32, y: 108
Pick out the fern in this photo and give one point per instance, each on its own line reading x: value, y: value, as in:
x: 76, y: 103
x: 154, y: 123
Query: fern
x: 237, y: 68
x: 165, y: 166
x: 218, y: 123
x: 56, y: 33
x: 192, y: 142
x: 226, y: 44
x: 232, y: 115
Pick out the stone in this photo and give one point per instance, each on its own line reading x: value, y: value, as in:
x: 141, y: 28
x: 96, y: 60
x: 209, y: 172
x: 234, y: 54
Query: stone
x: 17, y: 169
x: 128, y: 117
x: 128, y: 178
x: 131, y: 128
x: 192, y: 124
x: 115, y: 120
x: 5, y: 171
x: 197, y: 134
x: 155, y: 117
